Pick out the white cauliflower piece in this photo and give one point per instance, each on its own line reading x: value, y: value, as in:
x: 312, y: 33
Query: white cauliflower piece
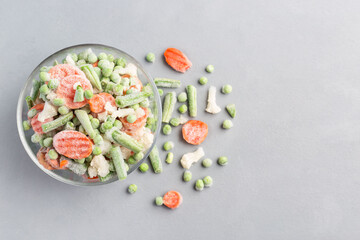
x: 110, y: 108
x: 48, y: 112
x: 101, y: 165
x: 125, y: 152
x: 139, y: 112
x: 105, y: 146
x: 108, y: 134
x: 51, y: 96
x: 212, y: 107
x: 76, y: 85
x: 130, y: 69
x: 145, y: 137
x: 123, y: 112
x: 189, y: 158
x: 92, y: 172
x: 182, y: 119
x: 69, y: 60
x: 102, y: 116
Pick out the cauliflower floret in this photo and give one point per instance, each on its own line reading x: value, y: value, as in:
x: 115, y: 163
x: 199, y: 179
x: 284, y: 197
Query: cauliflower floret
x: 102, y: 116
x: 105, y: 146
x: 69, y: 60
x: 92, y: 172
x: 51, y: 96
x: 108, y: 134
x: 110, y: 108
x: 48, y: 112
x: 101, y: 165
x: 139, y: 112
x: 125, y: 152
x: 145, y: 137
x: 212, y: 107
x: 130, y: 69
x: 189, y: 158
x: 122, y: 112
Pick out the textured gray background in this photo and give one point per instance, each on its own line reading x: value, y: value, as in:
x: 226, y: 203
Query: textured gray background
x: 294, y: 150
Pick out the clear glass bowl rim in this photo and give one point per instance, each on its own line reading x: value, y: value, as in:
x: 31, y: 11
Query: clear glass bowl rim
x: 21, y: 102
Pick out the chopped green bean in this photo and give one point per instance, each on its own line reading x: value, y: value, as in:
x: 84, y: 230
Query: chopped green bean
x: 98, y: 138
x: 167, y: 82
x: 29, y: 102
x: 26, y: 125
x: 32, y: 113
x: 131, y: 99
x: 119, y: 162
x: 79, y: 94
x: 60, y: 121
x: 191, y: 92
x: 82, y: 160
x: 92, y: 76
x: 155, y: 160
x: 35, y: 90
x: 230, y: 108
x: 127, y: 141
x: 175, y: 122
x: 69, y: 126
x: 85, y: 122
x: 168, y: 107
x: 36, y: 138
x: 48, y: 142
x: 169, y: 158
x: 131, y: 160
x: 145, y: 103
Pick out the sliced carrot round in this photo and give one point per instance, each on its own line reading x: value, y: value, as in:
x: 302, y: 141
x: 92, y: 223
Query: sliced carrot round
x: 108, y: 98
x: 72, y: 144
x: 132, y: 128
x: 66, y: 90
x: 195, y: 131
x: 172, y: 199
x: 177, y: 60
x: 41, y: 158
x: 97, y: 103
x: 62, y: 71
x: 36, y: 124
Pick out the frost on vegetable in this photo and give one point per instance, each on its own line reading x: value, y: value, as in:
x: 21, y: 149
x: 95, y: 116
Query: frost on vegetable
x: 48, y: 112
x: 183, y: 119
x: 212, y: 107
x: 70, y: 60
x: 101, y: 165
x: 189, y: 158
x: 129, y: 69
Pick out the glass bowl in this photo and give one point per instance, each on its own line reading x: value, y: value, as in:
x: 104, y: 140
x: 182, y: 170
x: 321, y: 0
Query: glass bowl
x: 67, y: 176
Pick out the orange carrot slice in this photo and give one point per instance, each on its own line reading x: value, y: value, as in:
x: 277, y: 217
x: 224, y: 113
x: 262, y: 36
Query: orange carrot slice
x: 195, y: 131
x: 62, y: 71
x: 172, y: 199
x: 72, y: 144
x: 108, y: 98
x: 177, y: 60
x: 41, y: 158
x: 66, y: 90
x: 132, y: 128
x: 36, y: 124
x: 97, y: 103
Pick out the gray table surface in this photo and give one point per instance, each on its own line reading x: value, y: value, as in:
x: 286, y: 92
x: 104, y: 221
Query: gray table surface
x: 294, y: 149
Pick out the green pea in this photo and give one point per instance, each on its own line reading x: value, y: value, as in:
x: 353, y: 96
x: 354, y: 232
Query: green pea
x: 44, y: 89
x: 118, y: 89
x: 187, y: 176
x: 92, y: 58
x: 209, y: 68
x: 53, y: 154
x: 175, y: 122
x: 222, y: 161
x: 115, y: 78
x: 76, y: 121
x: 129, y: 91
x: 104, y: 63
x: 159, y: 201
x: 96, y: 151
x: 144, y: 167
x: 227, y: 124
x: 69, y: 126
x: 203, y: 80
x: 168, y: 145
x: 138, y: 156
x: 53, y: 83
x: 106, y: 71
x: 102, y: 128
x: 32, y: 113
x: 44, y: 69
x: 182, y: 97
x: 183, y: 108
x: 131, y: 160
x: 102, y: 56
x: 166, y: 129
x: 161, y: 92
x: 120, y: 62
x: 131, y: 118
x: 110, y: 57
x: 97, y: 71
x: 63, y: 110
x: 81, y: 62
x: 135, y: 106
x: 145, y: 103
x: 150, y: 121
x: 226, y: 89
x: 118, y: 124
x: 169, y: 158
x: 90, y: 116
x: 95, y: 123
x: 132, y: 188
x: 150, y: 57
x: 125, y: 82
x: 74, y: 57
x: 83, y: 55
x: 58, y: 102
x: 88, y: 94
x: 199, y: 185
x: 207, y: 162
x: 208, y: 181
x: 48, y: 142
x: 44, y: 76
x: 98, y: 139
x: 26, y: 125
x: 108, y: 125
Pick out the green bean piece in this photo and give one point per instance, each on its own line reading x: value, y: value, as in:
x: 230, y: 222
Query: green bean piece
x: 31, y: 113
x: 53, y: 83
x: 56, y: 62
x: 138, y: 156
x: 208, y: 181
x: 127, y: 141
x: 167, y: 82
x: 230, y: 108
x: 82, y: 160
x: 74, y: 56
x: 83, y: 55
x: 199, y: 185
x: 79, y: 94
x: 26, y: 125
x: 227, y: 124
x: 63, y: 110
x: 110, y: 57
x: 35, y: 90
x: 132, y: 188
x: 150, y: 57
x: 191, y: 92
x: 159, y: 201
x: 183, y: 108
x: 131, y: 99
x: 118, y: 89
x: 119, y: 162
x: 187, y: 176
x: 82, y: 129
x: 115, y: 77
x: 92, y: 76
x: 80, y: 62
x: 222, y: 161
x: 36, y: 138
x: 175, y: 122
x: 92, y: 58
x: 161, y: 92
x: 58, y: 102
x: 226, y: 89
x: 120, y: 62
x: 60, y: 121
x: 76, y: 121
x: 102, y: 56
x: 144, y: 167
x: 69, y: 126
x: 168, y: 145
x: 155, y: 160
x: 98, y: 71
x: 209, y: 68
x: 53, y: 154
x: 96, y: 151
x: 131, y: 160
x: 29, y: 102
x: 88, y: 94
x: 44, y: 89
x: 168, y: 107
x: 48, y: 142
x: 89, y: 158
x: 85, y: 122
x: 169, y: 158
x: 203, y: 80
x: 207, y: 162
x: 44, y: 76
x: 166, y: 129
x: 182, y: 97
x: 145, y: 103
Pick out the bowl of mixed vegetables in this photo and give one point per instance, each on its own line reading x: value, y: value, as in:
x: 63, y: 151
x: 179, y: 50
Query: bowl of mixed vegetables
x: 89, y: 115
